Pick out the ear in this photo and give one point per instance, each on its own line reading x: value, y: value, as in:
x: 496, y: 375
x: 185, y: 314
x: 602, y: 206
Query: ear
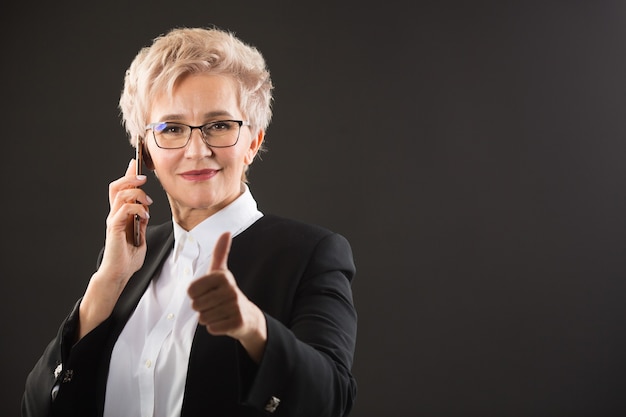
x: 255, y: 145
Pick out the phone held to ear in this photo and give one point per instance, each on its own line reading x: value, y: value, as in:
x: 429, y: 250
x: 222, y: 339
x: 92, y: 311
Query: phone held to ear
x: 137, y: 219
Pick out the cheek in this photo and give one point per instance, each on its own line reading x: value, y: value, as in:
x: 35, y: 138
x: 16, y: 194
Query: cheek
x: 163, y: 158
x: 163, y: 165
x: 232, y: 159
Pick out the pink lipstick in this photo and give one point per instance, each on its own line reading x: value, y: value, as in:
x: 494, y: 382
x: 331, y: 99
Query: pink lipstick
x: 199, y: 174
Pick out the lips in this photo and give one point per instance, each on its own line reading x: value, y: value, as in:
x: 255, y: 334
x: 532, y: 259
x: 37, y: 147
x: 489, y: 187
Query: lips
x: 199, y: 174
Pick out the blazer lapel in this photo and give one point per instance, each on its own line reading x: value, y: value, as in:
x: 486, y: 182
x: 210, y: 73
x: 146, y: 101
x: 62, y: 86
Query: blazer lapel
x: 161, y: 240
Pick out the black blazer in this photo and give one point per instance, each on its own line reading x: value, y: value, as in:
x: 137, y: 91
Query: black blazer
x: 299, y: 275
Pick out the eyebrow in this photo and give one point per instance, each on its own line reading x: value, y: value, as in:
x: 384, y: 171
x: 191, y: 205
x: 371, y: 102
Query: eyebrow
x: 208, y: 115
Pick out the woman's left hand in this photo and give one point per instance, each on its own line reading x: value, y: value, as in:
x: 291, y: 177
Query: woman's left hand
x: 223, y: 308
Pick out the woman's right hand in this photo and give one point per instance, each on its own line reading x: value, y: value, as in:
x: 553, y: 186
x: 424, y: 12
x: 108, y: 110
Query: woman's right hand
x: 121, y: 258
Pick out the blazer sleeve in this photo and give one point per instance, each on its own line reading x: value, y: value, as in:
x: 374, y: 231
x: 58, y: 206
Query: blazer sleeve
x: 69, y: 378
x: 306, y: 366
x: 43, y: 378
x: 61, y: 382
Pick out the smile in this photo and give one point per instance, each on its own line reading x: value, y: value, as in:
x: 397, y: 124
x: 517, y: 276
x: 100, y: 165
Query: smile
x: 199, y: 174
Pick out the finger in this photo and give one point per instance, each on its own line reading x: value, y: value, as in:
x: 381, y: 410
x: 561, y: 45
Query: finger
x: 220, y: 325
x: 132, y: 201
x: 136, y: 180
x: 210, y: 291
x: 132, y: 195
x: 128, y: 181
x: 123, y: 216
x: 220, y: 253
x: 130, y: 170
x: 203, y: 286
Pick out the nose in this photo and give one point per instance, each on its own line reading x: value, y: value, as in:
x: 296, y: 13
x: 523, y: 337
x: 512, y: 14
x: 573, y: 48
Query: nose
x: 197, y: 145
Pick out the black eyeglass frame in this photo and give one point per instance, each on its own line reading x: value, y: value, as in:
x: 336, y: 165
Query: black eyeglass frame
x: 241, y: 123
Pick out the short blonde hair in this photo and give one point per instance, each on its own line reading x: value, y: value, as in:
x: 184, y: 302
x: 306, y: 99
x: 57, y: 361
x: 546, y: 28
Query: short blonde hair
x: 183, y: 51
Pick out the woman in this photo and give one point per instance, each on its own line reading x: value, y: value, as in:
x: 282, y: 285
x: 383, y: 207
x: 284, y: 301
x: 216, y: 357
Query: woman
x: 223, y: 311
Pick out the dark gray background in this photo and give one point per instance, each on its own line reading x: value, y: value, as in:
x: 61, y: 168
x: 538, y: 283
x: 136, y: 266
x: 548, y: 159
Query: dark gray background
x: 472, y: 152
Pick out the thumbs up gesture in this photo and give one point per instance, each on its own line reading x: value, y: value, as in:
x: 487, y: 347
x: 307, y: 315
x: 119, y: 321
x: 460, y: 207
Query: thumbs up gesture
x: 223, y: 308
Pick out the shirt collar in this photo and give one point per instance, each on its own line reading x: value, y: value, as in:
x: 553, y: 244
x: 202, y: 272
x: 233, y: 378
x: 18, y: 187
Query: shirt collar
x: 234, y: 218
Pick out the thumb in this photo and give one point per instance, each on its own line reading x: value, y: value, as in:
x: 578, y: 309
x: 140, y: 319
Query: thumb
x: 220, y: 252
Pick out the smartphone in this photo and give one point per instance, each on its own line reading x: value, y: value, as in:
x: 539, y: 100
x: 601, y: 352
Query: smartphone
x: 137, y: 219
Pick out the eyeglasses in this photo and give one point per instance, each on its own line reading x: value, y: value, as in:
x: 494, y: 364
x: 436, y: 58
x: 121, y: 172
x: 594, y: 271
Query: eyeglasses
x: 218, y: 134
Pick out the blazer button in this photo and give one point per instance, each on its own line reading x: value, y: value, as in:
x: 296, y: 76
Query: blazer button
x: 272, y: 404
x: 58, y: 370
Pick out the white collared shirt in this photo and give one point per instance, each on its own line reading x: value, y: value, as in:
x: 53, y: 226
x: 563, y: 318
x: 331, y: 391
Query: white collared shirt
x: 149, y: 361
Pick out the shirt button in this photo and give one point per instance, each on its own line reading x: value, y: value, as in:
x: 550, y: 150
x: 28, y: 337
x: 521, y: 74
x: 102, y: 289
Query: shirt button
x: 170, y: 316
x: 148, y: 363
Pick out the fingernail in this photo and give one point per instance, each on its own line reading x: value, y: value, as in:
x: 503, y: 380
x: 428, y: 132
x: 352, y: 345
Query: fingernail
x: 149, y: 199
x: 141, y: 177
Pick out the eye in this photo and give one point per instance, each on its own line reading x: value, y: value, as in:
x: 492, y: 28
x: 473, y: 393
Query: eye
x: 219, y: 126
x: 168, y: 128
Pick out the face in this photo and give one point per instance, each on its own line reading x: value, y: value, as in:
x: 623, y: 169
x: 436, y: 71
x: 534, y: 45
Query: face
x: 199, y: 180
